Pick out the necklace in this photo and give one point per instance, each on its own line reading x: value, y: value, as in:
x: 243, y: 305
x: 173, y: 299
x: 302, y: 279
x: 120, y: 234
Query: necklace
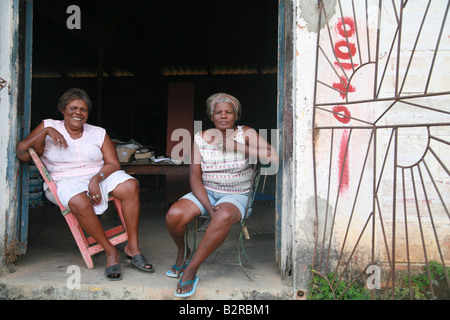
x: 74, y: 136
x: 79, y: 135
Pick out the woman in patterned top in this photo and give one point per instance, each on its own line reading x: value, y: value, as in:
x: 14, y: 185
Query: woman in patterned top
x: 220, y: 178
x: 84, y: 165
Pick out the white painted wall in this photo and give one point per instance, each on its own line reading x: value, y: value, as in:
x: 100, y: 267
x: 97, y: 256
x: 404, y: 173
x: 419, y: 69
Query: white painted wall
x: 412, y: 142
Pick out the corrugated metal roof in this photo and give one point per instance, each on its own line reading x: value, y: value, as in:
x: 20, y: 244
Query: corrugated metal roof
x: 79, y: 72
x: 144, y: 38
x: 239, y: 69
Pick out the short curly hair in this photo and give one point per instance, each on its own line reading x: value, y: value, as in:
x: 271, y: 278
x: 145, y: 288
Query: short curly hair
x: 72, y: 94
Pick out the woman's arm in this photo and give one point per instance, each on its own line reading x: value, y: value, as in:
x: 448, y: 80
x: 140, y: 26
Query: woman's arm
x: 36, y: 139
x: 262, y: 149
x: 256, y: 147
x: 111, y: 164
x: 110, y: 159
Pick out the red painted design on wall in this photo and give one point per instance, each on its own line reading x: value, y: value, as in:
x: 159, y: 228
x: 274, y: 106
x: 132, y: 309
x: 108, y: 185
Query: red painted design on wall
x: 343, y: 162
x: 349, y: 27
x: 343, y: 87
x: 344, y: 50
x: 341, y: 118
x: 345, y: 65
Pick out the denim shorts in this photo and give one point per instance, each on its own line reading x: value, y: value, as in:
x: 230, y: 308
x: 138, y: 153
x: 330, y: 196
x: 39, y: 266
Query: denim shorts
x: 239, y: 200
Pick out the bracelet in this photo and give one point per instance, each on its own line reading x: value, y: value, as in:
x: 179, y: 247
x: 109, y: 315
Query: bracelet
x: 102, y: 175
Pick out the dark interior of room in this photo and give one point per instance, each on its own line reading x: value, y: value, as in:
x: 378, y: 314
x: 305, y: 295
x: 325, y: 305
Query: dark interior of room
x: 126, y: 53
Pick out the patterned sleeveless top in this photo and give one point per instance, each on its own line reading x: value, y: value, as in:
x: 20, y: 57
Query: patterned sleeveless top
x: 225, y: 172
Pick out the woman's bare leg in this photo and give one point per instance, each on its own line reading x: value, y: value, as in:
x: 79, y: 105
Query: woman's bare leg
x: 180, y: 214
x: 216, y: 233
x: 128, y: 193
x: 81, y: 206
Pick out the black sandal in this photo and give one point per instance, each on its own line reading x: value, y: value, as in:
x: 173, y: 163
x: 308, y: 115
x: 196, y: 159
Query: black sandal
x: 140, y: 262
x: 113, y: 273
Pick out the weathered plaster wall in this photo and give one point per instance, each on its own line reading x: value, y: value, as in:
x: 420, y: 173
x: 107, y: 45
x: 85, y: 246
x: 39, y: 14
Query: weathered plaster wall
x: 8, y: 124
x: 349, y: 75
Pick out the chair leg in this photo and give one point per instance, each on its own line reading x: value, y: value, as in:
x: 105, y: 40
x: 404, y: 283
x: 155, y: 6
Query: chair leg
x: 240, y: 248
x: 196, y: 230
x: 80, y: 239
x: 116, y: 235
x: 186, y: 259
x: 241, y: 251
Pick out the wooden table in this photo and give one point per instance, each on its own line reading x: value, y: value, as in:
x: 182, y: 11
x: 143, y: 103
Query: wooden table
x: 176, y: 177
x: 152, y: 168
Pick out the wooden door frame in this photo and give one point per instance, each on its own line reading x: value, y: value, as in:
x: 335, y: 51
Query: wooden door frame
x: 285, y: 175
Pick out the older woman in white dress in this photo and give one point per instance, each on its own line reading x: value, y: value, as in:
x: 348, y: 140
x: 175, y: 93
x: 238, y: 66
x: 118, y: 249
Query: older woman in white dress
x: 83, y: 162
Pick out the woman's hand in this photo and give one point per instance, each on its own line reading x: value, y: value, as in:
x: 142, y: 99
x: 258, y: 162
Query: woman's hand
x: 95, y: 193
x: 212, y: 210
x: 57, y: 137
x: 215, y: 138
x: 36, y: 140
x: 231, y: 145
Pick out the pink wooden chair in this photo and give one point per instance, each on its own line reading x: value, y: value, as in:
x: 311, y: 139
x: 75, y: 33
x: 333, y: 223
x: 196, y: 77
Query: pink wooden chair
x: 88, y: 246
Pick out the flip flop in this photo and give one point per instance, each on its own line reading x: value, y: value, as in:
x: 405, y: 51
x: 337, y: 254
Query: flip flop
x: 113, y: 273
x: 190, y: 293
x: 172, y: 274
x: 139, y: 262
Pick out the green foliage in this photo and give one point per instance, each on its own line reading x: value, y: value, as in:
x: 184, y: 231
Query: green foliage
x: 420, y: 284
x: 325, y: 288
x: 438, y: 270
x: 321, y: 289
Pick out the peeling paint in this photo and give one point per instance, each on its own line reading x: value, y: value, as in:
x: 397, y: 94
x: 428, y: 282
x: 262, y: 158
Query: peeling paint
x: 9, y: 124
x: 310, y: 13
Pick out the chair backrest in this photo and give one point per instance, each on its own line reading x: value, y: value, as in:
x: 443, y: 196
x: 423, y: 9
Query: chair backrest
x: 47, y: 178
x: 253, y: 188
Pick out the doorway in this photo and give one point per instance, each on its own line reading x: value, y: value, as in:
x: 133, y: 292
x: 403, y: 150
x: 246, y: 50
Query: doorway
x: 127, y: 53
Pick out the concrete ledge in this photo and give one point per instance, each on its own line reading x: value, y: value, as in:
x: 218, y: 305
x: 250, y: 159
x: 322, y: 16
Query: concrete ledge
x: 44, y: 272
x: 56, y: 291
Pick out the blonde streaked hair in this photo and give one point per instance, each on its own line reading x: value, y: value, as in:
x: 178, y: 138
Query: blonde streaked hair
x: 223, y: 97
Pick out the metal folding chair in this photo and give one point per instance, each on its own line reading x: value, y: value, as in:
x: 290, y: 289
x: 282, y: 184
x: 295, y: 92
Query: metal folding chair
x: 88, y: 246
x: 244, y: 234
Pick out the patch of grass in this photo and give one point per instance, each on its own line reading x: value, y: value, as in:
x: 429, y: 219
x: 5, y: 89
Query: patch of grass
x: 323, y: 288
